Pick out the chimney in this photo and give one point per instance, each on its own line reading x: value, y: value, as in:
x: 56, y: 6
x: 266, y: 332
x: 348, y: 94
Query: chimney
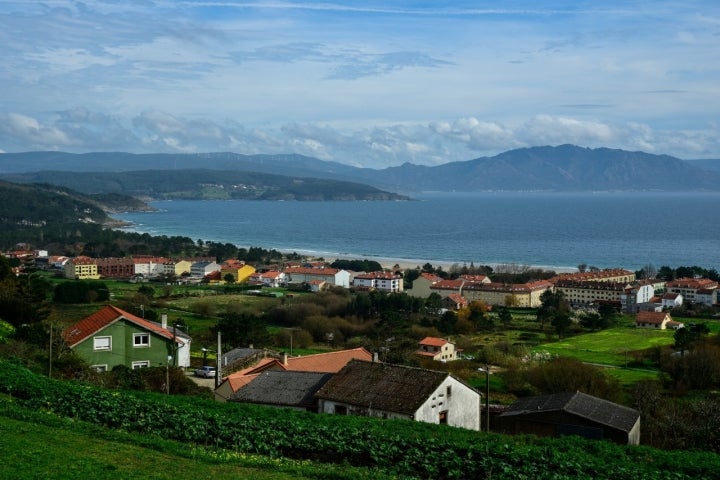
x: 283, y: 358
x: 163, y: 320
x: 376, y: 358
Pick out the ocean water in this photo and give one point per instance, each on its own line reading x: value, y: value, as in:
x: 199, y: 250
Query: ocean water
x: 558, y: 230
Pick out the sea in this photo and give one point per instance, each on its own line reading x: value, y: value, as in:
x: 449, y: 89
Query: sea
x: 513, y: 229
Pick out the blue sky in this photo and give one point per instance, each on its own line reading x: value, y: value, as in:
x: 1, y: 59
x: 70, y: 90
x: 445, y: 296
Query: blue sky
x: 360, y: 82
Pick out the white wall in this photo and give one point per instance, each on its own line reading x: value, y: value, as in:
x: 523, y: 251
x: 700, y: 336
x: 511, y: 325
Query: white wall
x: 462, y: 405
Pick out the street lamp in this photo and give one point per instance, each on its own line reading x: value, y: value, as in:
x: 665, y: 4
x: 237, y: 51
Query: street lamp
x: 167, y: 374
x: 487, y: 372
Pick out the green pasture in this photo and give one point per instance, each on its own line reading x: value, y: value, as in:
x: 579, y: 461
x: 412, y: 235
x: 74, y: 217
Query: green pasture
x: 610, y: 347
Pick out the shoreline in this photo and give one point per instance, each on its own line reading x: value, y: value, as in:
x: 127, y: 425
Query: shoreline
x: 388, y: 263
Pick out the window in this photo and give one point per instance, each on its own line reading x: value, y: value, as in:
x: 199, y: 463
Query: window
x: 102, y: 343
x: 140, y: 364
x: 99, y: 368
x: 443, y: 417
x: 449, y: 390
x: 340, y: 410
x: 141, y: 339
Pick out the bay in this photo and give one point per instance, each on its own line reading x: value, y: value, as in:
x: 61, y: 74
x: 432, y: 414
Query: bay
x: 554, y: 230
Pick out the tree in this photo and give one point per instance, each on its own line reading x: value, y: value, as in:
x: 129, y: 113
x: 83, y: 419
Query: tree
x: 504, y: 316
x: 241, y: 329
x: 229, y: 278
x: 683, y: 339
x: 554, y: 305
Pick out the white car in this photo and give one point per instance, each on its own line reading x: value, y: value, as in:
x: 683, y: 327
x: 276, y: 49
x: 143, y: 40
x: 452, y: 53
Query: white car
x: 206, y: 371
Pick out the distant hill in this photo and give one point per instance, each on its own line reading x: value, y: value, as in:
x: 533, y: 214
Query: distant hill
x: 42, y: 204
x: 562, y: 168
x: 707, y: 164
x: 206, y: 184
x: 558, y: 168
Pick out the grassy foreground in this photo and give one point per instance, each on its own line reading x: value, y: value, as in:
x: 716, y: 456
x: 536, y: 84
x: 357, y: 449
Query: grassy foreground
x: 42, y: 445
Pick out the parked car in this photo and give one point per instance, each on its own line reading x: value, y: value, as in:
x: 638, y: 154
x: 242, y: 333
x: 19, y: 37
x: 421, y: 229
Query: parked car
x: 206, y: 371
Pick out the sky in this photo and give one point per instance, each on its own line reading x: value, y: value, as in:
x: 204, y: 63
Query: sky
x: 365, y: 83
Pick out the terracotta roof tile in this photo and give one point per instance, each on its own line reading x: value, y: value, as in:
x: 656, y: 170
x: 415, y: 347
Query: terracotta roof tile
x: 108, y: 315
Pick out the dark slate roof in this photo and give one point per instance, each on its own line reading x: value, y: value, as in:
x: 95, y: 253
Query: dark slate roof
x: 239, y: 354
x: 282, y: 388
x: 580, y: 404
x: 391, y: 388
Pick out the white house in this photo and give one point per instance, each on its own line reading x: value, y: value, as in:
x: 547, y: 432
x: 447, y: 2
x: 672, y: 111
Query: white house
x: 636, y: 295
x: 706, y: 296
x: 200, y: 269
x: 383, y: 281
x: 332, y: 276
x: 394, y: 391
x: 437, y: 349
x: 670, y: 300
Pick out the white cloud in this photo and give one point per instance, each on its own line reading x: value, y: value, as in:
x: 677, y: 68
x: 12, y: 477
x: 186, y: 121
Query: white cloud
x: 369, y: 84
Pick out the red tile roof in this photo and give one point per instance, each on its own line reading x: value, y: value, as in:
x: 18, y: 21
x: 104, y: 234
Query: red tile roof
x: 108, y: 315
x: 651, y: 317
x: 312, y: 271
x: 433, y: 342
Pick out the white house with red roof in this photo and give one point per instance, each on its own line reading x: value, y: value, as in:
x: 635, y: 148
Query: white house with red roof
x: 670, y: 300
x: 112, y: 337
x: 271, y: 278
x: 688, y: 287
x: 383, y: 281
x: 656, y: 320
x: 438, y: 349
x: 331, y: 276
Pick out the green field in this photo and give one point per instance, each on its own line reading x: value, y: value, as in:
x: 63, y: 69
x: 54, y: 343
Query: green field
x: 608, y: 347
x: 70, y: 450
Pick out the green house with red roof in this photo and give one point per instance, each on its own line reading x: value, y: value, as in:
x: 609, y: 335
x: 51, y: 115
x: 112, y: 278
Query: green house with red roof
x: 112, y: 337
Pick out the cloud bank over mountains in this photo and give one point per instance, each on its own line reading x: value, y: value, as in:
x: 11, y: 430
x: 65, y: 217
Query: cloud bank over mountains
x: 363, y: 84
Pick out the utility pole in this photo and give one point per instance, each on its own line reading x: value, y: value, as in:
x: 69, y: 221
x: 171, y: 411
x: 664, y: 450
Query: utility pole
x: 487, y: 396
x: 218, y: 374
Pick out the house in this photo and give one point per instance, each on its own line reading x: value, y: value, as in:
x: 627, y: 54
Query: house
x: 81, y: 268
x: 454, y: 301
x: 112, y: 337
x: 706, y: 296
x: 615, y: 275
x: 437, y: 349
x: 177, y: 268
x: 112, y: 267
x: 688, y: 287
x: 394, y: 391
x: 203, y: 268
x: 328, y: 362
x: 636, y: 295
x: 421, y: 285
x: 238, y: 270
x: 271, y: 278
x: 332, y: 276
x: 523, y: 295
x: 149, y: 266
x: 240, y: 358
x: 282, y: 388
x: 382, y: 281
x: 585, y: 293
x: 670, y: 300
x: 574, y: 413
x: 656, y: 320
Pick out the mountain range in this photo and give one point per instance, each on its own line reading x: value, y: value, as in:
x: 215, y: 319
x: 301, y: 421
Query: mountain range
x: 545, y: 168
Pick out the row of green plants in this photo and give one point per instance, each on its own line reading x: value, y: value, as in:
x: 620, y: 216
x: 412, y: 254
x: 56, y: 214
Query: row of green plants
x: 398, y: 448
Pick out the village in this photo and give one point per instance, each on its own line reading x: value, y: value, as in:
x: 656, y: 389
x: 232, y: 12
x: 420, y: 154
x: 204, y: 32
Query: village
x: 355, y: 381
